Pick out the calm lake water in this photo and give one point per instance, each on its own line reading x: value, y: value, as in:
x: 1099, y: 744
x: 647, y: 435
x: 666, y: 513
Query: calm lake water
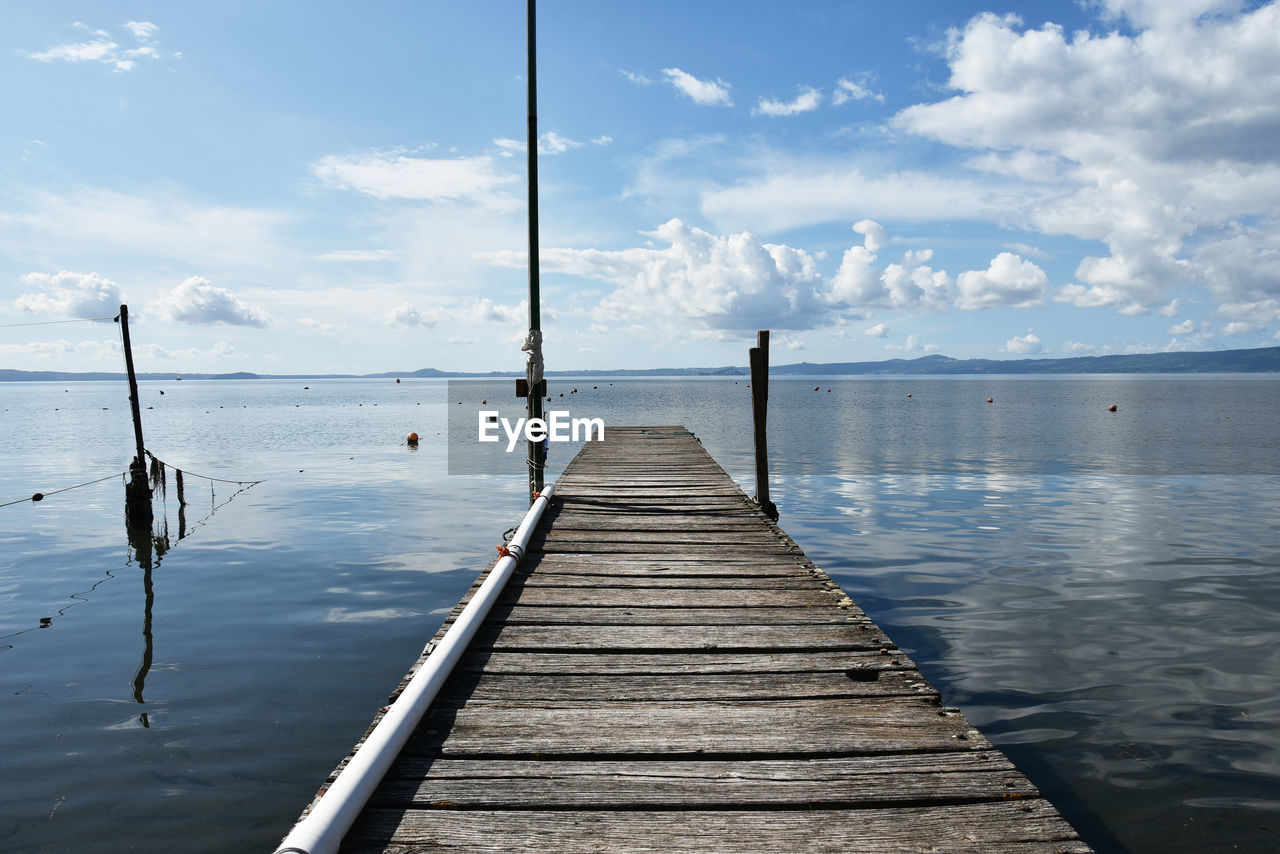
x: 1099, y: 592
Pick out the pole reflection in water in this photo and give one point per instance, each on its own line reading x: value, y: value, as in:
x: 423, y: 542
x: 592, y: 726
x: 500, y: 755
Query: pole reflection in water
x: 149, y: 542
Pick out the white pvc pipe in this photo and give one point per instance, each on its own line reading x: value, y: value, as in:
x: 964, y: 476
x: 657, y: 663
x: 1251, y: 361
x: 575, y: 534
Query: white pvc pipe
x: 321, y: 831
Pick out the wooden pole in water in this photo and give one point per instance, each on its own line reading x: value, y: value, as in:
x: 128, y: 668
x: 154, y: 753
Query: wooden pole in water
x: 537, y: 451
x: 138, y: 492
x: 759, y: 356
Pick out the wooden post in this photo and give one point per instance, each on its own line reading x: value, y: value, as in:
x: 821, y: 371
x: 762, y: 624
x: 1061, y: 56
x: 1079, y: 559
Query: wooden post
x: 537, y: 450
x: 759, y: 356
x: 138, y: 492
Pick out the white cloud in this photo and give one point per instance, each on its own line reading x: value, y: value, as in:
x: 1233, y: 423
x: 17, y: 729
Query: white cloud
x: 396, y: 175
x: 198, y: 302
x: 1158, y: 143
x: 315, y: 325
x: 880, y: 330
x: 143, y: 31
x: 406, y: 314
x: 706, y: 92
x: 635, y: 77
x: 806, y: 102
x: 1008, y: 280
x: 99, y: 221
x: 1077, y: 348
x: 786, y: 193
x: 1025, y: 345
x: 358, y: 255
x: 71, y: 295
x: 1184, y: 328
x: 549, y: 143
x: 737, y: 282
x: 874, y: 235
x: 104, y: 49
x: 849, y: 89
x: 913, y: 345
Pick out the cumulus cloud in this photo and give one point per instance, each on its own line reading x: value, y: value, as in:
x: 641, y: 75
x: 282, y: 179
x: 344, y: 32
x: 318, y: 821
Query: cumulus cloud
x: 873, y: 233
x: 1009, y: 280
x: 1159, y: 142
x: 1024, y: 345
x: 1184, y: 328
x: 398, y: 175
x: 806, y: 102
x: 711, y: 93
x: 198, y: 302
x: 737, y: 282
x: 405, y: 314
x: 880, y: 330
x: 70, y: 295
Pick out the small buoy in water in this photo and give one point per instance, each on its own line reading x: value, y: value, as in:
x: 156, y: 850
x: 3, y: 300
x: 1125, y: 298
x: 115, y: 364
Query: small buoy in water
x: 595, y: 386
x: 413, y: 439
x: 162, y: 391
x: 828, y: 391
x: 815, y: 388
x: 39, y: 496
x: 397, y: 379
x: 908, y: 394
x: 991, y: 400
x: 306, y: 388
x: 484, y: 402
x: 562, y: 394
x: 575, y: 390
x: 1112, y: 408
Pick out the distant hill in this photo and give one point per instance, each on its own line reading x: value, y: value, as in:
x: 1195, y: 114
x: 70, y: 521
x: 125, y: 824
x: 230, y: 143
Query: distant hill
x: 1220, y: 361
x: 1258, y: 360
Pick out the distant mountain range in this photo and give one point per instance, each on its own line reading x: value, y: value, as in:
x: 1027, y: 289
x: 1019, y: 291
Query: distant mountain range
x: 1262, y: 359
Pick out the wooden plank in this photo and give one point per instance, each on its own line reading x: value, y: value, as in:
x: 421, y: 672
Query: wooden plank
x: 694, y: 638
x: 659, y: 663
x: 831, y: 783
x: 707, y: 729
x: 523, y: 614
x: 591, y: 689
x: 990, y: 828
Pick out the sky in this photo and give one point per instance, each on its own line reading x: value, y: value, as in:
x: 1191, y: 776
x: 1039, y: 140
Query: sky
x: 294, y: 187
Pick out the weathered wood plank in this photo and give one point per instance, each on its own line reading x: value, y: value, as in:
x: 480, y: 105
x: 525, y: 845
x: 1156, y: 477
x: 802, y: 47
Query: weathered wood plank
x: 541, y: 688
x: 693, y: 638
x: 660, y: 663
x: 810, y: 727
x: 991, y: 828
x: 521, y: 613
x: 841, y: 783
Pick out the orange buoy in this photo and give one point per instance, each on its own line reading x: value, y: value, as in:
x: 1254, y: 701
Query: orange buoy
x: 815, y: 388
x: 413, y: 438
x: 1112, y: 408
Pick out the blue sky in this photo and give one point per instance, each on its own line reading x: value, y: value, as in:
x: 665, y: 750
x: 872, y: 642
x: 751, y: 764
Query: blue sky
x: 294, y: 187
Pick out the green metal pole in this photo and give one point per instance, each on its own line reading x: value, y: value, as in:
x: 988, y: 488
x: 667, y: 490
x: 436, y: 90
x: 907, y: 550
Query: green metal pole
x: 537, y: 455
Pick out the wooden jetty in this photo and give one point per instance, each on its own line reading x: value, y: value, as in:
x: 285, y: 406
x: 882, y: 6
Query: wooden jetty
x: 667, y: 671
